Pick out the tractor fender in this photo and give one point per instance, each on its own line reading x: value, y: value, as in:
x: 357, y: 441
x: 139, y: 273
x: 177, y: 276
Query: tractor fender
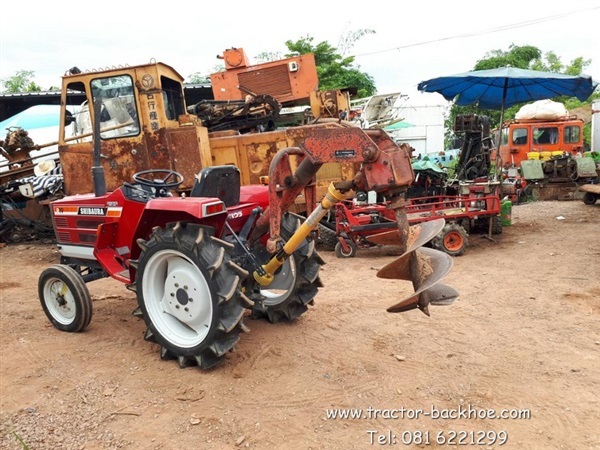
x: 255, y: 193
x: 161, y: 211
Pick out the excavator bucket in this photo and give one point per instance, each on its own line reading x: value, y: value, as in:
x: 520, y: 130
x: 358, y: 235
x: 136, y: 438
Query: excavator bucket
x: 425, y: 267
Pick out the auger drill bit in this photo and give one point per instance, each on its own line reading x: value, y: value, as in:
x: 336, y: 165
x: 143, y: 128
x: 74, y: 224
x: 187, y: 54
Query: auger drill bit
x: 425, y: 267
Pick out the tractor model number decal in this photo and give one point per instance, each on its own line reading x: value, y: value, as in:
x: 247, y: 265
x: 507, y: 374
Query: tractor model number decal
x: 91, y: 211
x: 345, y: 153
x: 234, y: 215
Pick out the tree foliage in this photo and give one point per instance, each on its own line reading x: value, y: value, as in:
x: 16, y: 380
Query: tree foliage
x: 264, y: 57
x: 522, y: 57
x: 21, y: 81
x: 333, y: 69
x: 204, y: 78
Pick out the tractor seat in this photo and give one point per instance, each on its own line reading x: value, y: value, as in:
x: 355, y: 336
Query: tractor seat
x: 222, y: 182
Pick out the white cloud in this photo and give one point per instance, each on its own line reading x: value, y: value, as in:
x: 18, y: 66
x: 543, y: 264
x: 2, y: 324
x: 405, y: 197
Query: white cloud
x: 189, y: 36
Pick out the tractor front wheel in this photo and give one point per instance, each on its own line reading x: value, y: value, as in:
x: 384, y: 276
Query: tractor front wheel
x: 65, y: 298
x: 295, y: 284
x: 451, y: 240
x: 189, y: 294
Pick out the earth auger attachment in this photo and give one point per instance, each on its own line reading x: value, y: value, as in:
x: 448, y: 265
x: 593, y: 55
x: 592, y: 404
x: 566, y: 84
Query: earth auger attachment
x: 425, y: 267
x: 385, y: 168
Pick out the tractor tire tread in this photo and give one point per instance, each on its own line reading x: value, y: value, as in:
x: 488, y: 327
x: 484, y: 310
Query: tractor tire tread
x: 438, y: 242
x: 213, y: 253
x: 80, y: 292
x: 308, y: 264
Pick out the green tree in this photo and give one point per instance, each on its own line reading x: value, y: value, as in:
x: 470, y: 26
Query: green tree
x: 21, y: 81
x: 264, y: 57
x: 522, y: 57
x: 333, y: 69
x: 203, y: 78
x: 197, y: 78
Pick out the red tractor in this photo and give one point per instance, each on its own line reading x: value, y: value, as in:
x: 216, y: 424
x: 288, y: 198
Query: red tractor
x: 197, y: 261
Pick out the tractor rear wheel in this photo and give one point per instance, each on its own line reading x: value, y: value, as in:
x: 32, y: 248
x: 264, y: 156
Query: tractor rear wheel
x: 189, y: 294
x: 589, y: 198
x: 295, y: 283
x: 65, y: 298
x: 451, y: 240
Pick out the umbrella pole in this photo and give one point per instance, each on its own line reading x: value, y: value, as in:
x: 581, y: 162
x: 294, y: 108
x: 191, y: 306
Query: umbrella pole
x: 500, y: 128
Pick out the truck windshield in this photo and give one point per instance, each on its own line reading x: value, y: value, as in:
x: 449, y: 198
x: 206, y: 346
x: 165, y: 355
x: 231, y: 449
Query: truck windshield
x: 545, y: 135
x: 119, y: 116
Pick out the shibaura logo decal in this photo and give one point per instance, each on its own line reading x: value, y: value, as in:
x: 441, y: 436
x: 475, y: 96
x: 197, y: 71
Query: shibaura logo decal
x: 91, y: 211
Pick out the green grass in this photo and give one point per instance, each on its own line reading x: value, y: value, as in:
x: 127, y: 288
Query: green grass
x: 25, y: 446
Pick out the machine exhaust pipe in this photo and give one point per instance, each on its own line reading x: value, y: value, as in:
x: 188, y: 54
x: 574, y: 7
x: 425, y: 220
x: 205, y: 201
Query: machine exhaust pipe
x: 97, y: 169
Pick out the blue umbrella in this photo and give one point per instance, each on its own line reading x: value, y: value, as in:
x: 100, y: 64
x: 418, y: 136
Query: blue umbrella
x: 507, y: 86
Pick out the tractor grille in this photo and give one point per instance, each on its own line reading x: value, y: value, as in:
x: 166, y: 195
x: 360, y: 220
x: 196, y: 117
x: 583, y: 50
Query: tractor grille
x: 86, y: 237
x: 64, y: 236
x: 90, y: 224
x: 61, y: 222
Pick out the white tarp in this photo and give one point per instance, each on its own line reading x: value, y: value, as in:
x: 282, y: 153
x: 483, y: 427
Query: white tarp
x: 542, y: 110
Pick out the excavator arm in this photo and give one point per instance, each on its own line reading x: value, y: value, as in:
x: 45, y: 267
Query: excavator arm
x: 385, y: 168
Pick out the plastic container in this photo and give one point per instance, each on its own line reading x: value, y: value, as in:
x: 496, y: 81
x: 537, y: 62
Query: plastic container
x: 533, y: 155
x: 557, y: 153
x: 544, y: 156
x: 506, y: 212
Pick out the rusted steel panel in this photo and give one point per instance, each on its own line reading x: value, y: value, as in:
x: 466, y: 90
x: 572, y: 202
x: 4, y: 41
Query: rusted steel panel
x: 273, y: 80
x: 289, y: 80
x: 182, y: 151
x: 121, y: 158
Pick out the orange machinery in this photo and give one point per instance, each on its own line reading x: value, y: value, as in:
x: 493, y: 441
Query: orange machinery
x: 289, y: 80
x: 540, y: 139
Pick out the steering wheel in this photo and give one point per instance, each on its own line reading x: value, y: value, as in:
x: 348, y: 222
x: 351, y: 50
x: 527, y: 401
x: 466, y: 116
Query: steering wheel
x: 160, y: 184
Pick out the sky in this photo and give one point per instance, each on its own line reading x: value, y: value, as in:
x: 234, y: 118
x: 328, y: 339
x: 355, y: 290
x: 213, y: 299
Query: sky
x: 413, y: 41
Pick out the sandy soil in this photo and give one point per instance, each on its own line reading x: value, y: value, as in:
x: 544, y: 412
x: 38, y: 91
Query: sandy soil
x: 524, y: 335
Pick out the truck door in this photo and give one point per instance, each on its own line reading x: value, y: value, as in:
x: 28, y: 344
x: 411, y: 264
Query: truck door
x: 121, y: 142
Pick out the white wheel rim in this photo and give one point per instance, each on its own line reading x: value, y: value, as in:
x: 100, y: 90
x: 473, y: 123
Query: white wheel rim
x: 344, y: 252
x: 282, y: 284
x: 177, y: 298
x: 60, y: 301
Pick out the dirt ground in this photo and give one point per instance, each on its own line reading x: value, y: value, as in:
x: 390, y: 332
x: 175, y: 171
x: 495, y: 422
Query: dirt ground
x: 523, y: 336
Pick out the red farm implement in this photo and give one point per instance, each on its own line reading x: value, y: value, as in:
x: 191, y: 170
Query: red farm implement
x: 362, y: 225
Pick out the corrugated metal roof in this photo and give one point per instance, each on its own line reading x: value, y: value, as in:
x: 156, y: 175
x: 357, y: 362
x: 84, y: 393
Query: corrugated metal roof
x: 55, y: 93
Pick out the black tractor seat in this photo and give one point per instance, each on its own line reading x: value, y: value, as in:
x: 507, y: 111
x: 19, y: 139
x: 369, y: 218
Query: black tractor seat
x: 222, y: 182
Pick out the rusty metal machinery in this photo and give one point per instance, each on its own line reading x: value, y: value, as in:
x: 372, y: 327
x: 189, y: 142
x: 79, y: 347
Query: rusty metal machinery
x: 475, y: 155
x: 384, y: 168
x: 254, y: 113
x: 289, y: 80
x: 560, y: 168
